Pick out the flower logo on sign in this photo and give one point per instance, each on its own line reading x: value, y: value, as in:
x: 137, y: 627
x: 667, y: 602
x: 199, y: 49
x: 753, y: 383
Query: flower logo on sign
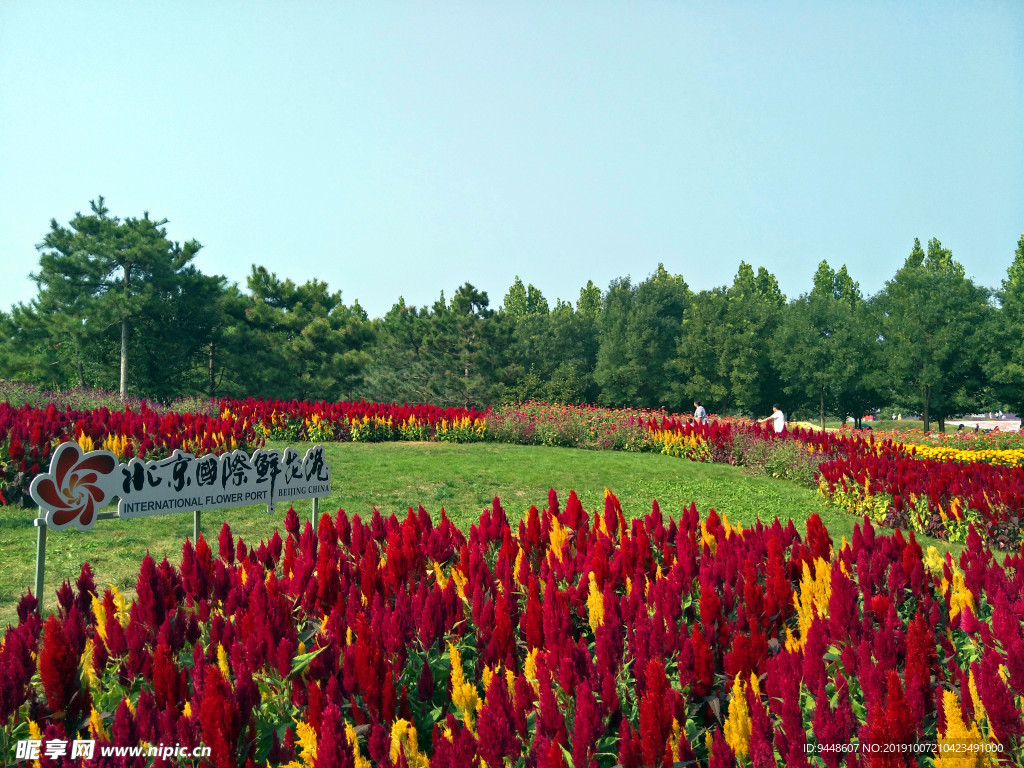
x: 75, y: 487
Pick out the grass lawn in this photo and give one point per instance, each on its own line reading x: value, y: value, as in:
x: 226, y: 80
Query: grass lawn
x: 462, y: 479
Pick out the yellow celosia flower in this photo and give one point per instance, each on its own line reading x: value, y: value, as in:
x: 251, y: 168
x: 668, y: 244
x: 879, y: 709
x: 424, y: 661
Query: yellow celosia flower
x: 35, y: 733
x: 88, y: 672
x: 960, y: 596
x: 442, y: 580
x: 557, y: 538
x: 811, y: 600
x: 101, y: 618
x: 464, y: 694
x: 353, y: 742
x: 460, y: 582
x: 222, y: 661
x: 707, y: 537
x: 595, y: 604
x: 933, y: 560
x: 518, y: 570
x: 979, y: 708
x: 958, y: 736
x: 486, y: 676
x: 737, y: 725
x: 96, y: 726
x: 307, y: 742
x: 530, y: 668
x: 119, y: 605
x: 403, y: 740
x: 186, y: 711
x: 677, y: 732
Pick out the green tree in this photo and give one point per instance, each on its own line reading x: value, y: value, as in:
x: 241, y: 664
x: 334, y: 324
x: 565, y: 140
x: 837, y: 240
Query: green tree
x: 702, y: 373
x: 935, y: 324
x: 639, y: 328
x: 726, y: 354
x: 103, y: 283
x: 824, y: 346
x: 449, y: 354
x: 303, y: 342
x: 552, y: 356
x: 589, y: 302
x: 522, y: 301
x: 1006, y: 363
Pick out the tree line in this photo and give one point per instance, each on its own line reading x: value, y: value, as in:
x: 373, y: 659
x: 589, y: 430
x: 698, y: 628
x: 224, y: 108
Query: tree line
x: 122, y: 307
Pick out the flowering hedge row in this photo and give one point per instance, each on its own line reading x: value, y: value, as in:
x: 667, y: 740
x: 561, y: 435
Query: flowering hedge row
x: 359, y: 421
x: 1010, y: 457
x: 574, y: 638
x: 967, y: 440
x: 892, y: 484
x: 921, y: 487
x: 28, y: 436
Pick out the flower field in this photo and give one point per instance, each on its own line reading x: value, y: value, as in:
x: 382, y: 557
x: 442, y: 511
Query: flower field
x: 574, y: 638
x: 931, y: 488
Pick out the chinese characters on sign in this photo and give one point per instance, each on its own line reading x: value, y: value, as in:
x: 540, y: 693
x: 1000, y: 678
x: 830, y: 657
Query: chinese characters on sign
x: 78, y: 484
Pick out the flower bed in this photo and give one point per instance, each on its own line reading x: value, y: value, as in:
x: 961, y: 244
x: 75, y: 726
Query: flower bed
x: 28, y: 436
x: 359, y: 421
x: 932, y: 489
x: 571, y: 636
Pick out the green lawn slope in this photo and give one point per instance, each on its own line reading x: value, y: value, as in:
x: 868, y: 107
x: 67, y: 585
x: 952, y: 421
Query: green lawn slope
x: 461, y: 478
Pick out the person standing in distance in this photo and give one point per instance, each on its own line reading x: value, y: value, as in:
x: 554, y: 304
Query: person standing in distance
x: 700, y: 415
x: 778, y: 417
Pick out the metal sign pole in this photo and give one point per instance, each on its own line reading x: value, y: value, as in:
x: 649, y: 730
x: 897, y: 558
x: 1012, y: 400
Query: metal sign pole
x: 316, y: 513
x: 195, y: 526
x: 40, y: 524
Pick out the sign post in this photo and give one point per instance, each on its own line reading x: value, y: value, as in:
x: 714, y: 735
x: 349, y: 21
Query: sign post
x: 40, y: 564
x: 79, y: 484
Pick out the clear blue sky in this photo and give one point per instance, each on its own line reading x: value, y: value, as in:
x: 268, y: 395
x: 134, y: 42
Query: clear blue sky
x: 403, y: 149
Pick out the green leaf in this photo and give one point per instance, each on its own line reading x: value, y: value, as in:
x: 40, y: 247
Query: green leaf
x: 302, y: 661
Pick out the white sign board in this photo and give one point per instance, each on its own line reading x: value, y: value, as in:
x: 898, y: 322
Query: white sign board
x: 78, y: 485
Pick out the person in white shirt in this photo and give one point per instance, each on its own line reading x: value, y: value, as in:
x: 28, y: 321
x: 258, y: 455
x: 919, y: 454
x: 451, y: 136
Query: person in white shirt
x: 700, y: 415
x: 778, y: 417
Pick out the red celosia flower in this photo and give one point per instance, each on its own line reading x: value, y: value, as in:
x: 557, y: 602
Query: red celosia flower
x: 58, y: 670
x: 721, y: 753
x: 998, y: 701
x: 496, y: 736
x: 218, y: 719
x: 833, y: 727
x: 332, y: 750
x: 655, y: 713
x: 892, y: 725
x: 588, y: 725
x: 703, y: 665
x: 533, y: 627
